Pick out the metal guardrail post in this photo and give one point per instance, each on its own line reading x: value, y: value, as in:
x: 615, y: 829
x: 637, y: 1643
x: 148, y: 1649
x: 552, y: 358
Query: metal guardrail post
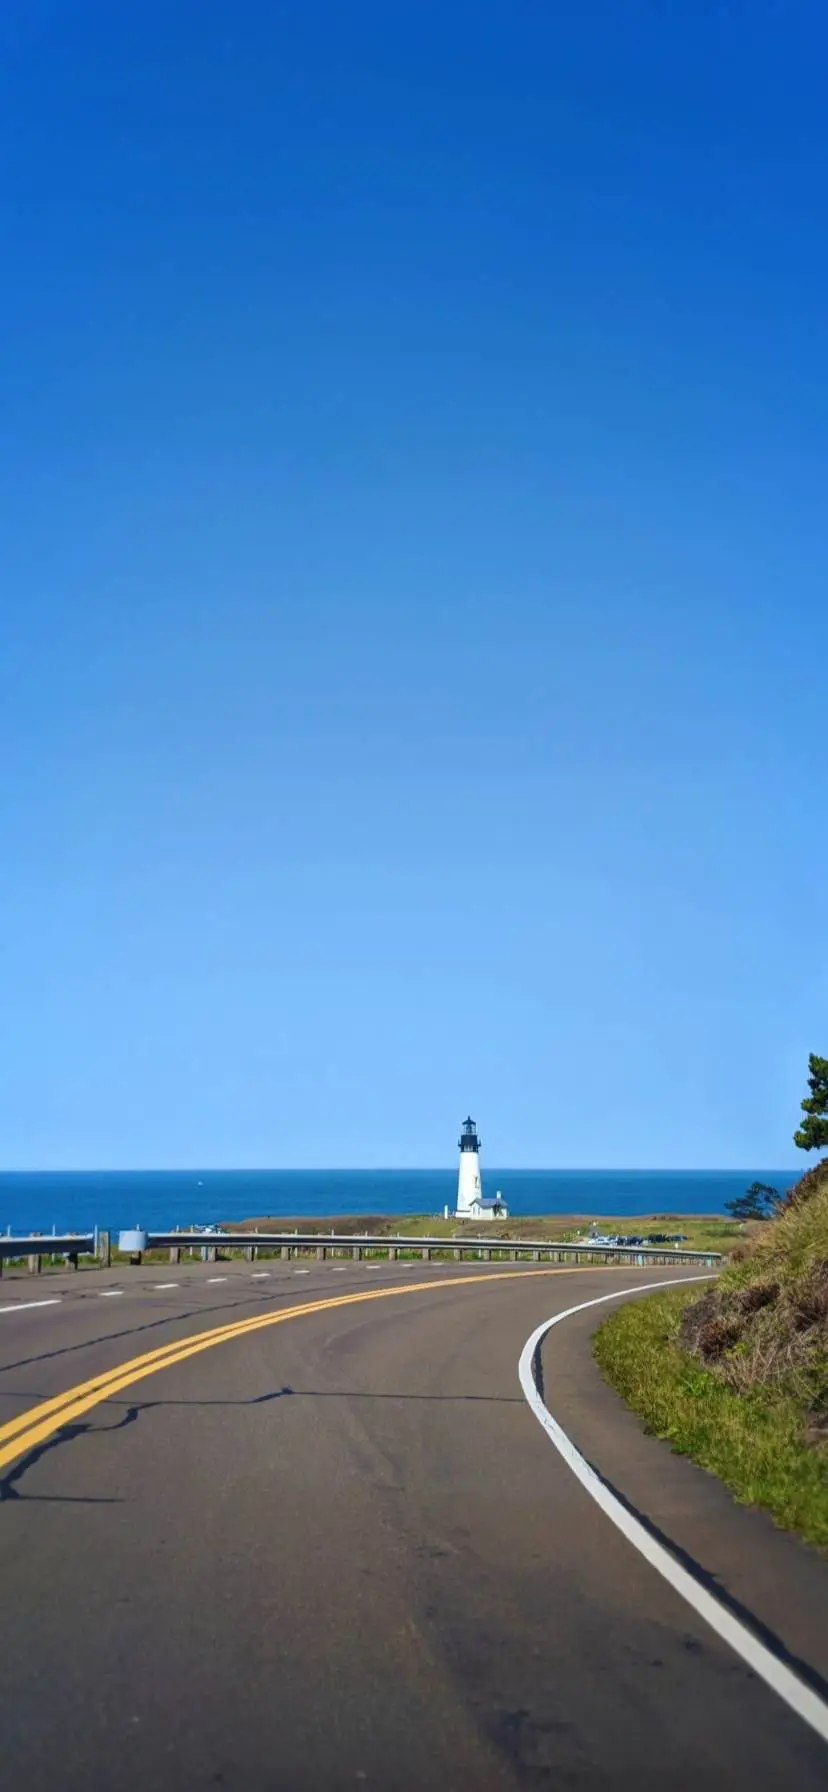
x: 35, y: 1265
x: 175, y: 1253
x: 356, y: 1253
x: 286, y: 1251
x: 392, y: 1253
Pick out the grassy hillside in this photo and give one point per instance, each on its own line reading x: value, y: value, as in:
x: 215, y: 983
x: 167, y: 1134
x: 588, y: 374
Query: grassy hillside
x: 737, y: 1377
x: 765, y: 1323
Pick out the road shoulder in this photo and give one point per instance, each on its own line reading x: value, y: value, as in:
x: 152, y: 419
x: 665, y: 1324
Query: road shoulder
x: 778, y: 1584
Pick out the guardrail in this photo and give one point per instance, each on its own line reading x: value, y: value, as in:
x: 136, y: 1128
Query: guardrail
x: 38, y: 1245
x: 73, y: 1245
x: 320, y: 1245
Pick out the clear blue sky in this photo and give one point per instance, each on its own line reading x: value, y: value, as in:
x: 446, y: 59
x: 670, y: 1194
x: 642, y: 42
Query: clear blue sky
x: 413, y: 558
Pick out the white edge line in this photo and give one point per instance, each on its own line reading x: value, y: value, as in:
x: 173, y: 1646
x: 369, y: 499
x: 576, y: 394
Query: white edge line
x: 25, y: 1306
x: 806, y: 1703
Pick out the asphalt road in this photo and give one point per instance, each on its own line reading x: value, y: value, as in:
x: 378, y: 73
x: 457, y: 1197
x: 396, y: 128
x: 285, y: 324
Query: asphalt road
x: 339, y: 1551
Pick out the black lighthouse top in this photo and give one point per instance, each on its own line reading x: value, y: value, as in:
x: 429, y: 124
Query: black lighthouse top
x: 468, y: 1140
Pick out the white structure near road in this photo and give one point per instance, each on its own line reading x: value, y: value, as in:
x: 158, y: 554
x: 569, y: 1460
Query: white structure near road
x: 471, y: 1202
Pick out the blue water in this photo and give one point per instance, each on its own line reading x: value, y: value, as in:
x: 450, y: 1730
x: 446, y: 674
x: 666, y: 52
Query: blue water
x: 158, y: 1199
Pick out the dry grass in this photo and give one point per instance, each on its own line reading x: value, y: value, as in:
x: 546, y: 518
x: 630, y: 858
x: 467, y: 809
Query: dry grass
x: 765, y: 1323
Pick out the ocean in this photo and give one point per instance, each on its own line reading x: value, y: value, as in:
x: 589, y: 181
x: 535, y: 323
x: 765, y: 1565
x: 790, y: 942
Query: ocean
x: 78, y: 1200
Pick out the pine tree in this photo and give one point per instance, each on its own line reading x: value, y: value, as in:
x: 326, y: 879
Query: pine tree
x: 812, y: 1135
x: 757, y: 1203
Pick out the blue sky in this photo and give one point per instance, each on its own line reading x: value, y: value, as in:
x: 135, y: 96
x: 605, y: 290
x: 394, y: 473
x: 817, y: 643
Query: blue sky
x: 413, y: 553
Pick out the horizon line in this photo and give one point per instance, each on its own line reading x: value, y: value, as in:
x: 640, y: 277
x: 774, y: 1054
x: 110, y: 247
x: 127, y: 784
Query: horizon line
x: 390, y: 1169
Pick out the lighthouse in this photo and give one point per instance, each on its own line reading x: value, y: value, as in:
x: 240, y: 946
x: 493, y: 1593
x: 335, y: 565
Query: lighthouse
x: 470, y: 1201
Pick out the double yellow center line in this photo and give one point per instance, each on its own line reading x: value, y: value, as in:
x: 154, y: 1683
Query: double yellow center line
x: 33, y: 1427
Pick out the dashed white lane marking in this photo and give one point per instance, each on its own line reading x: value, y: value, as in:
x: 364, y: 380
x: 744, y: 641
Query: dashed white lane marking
x: 212, y: 1280
x: 260, y: 1275
x: 166, y: 1284
x: 25, y: 1306
x: 339, y: 1269
x: 108, y: 1293
x: 806, y: 1703
x: 301, y: 1272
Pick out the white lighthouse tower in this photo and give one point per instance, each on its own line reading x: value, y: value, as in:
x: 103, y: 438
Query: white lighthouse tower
x: 471, y: 1204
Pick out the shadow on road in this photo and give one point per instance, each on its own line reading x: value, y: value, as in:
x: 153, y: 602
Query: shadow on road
x: 9, y: 1483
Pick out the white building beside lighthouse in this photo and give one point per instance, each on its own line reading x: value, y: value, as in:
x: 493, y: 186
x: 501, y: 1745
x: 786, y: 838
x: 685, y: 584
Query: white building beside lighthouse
x: 471, y: 1202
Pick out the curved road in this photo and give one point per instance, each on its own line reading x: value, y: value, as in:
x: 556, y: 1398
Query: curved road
x: 339, y: 1551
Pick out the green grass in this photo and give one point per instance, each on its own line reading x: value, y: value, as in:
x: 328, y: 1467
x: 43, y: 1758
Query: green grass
x: 755, y: 1441
x: 704, y: 1233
